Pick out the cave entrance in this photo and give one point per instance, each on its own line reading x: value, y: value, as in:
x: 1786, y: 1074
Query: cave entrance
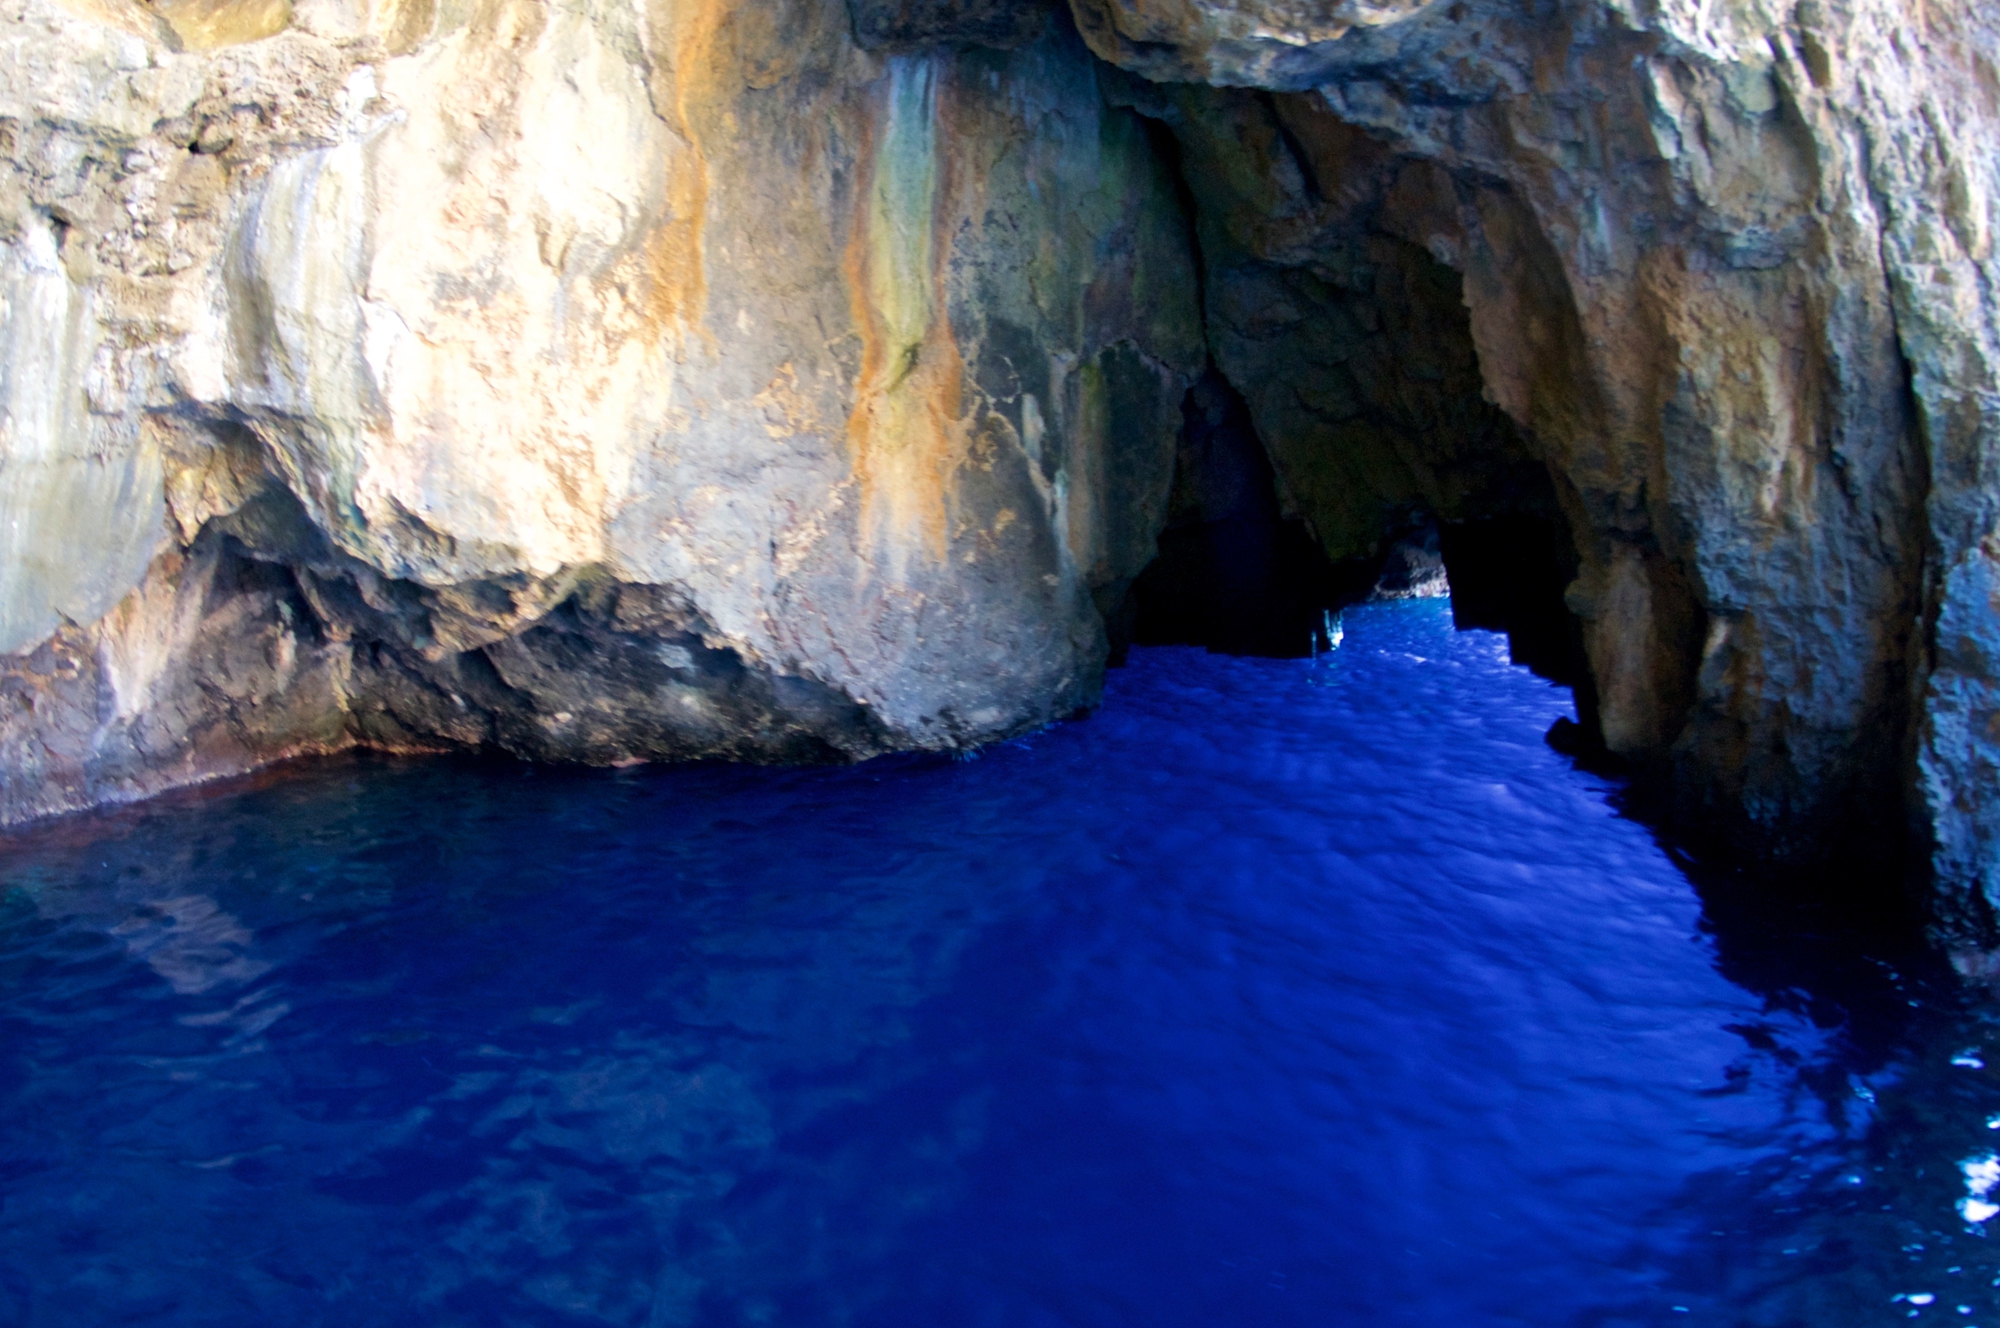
x: 1339, y: 447
x: 1238, y: 576
x: 1234, y: 573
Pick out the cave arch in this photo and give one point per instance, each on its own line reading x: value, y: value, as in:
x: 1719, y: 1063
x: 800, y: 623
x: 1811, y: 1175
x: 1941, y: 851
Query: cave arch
x: 1344, y: 415
x: 1683, y: 475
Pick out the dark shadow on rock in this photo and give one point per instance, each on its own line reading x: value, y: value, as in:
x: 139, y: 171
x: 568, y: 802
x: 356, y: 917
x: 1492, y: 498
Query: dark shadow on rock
x: 1233, y: 572
x: 1508, y: 573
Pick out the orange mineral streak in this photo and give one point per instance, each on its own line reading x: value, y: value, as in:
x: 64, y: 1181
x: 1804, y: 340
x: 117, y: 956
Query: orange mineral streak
x: 907, y: 432
x: 677, y: 277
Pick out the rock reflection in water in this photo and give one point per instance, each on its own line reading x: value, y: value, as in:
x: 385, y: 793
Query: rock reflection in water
x: 1270, y: 995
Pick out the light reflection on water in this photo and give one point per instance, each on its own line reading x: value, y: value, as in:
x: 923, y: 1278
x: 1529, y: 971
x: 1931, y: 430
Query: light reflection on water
x: 1276, y: 993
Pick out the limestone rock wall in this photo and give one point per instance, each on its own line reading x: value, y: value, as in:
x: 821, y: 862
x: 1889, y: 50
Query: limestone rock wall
x: 595, y: 381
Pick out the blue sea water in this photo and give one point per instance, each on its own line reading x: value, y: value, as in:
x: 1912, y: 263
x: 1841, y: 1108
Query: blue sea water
x: 1275, y: 993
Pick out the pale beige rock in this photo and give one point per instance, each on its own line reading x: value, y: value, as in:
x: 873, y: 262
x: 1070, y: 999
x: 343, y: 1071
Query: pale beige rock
x: 598, y: 381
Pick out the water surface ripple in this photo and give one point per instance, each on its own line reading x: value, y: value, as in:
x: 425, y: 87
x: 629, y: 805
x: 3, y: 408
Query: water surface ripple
x: 1273, y: 994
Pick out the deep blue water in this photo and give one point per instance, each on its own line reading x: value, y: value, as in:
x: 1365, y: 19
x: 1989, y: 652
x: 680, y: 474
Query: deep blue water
x: 1273, y: 994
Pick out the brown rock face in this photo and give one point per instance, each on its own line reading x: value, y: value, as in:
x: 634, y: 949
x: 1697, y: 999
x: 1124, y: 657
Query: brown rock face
x: 598, y: 383
x: 1705, y: 260
x: 788, y: 379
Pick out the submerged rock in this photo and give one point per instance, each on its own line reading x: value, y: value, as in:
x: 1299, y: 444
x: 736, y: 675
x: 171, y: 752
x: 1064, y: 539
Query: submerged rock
x: 788, y: 379
x: 1414, y: 569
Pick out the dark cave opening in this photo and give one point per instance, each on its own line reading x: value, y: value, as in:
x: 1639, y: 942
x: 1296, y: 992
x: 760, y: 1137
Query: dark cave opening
x: 1341, y: 442
x: 1233, y: 572
x: 1238, y: 576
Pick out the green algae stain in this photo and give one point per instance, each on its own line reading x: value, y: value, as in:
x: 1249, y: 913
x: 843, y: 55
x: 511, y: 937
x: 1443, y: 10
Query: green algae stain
x: 902, y: 204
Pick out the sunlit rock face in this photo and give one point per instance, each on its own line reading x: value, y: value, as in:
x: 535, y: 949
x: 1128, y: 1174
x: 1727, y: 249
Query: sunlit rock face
x: 594, y: 381
x: 1728, y: 270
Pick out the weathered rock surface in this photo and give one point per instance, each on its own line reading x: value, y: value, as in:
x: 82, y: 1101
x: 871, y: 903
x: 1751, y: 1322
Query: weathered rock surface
x: 1728, y: 273
x: 790, y: 379
x: 593, y: 381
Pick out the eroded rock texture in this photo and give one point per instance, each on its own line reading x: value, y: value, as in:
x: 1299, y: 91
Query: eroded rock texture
x: 794, y: 379
x: 594, y: 381
x: 1728, y: 272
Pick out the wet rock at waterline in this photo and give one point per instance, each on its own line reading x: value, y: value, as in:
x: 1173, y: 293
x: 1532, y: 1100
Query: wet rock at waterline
x: 793, y: 380
x: 595, y: 382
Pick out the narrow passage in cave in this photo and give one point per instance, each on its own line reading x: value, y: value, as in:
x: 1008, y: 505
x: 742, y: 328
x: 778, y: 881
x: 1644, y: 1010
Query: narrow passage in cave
x: 1342, y: 443
x: 1238, y: 574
